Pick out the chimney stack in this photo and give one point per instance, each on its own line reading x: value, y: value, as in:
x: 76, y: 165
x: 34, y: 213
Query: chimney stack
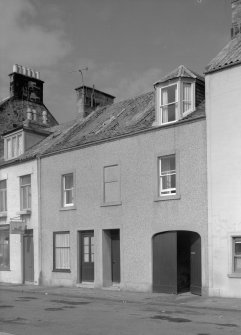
x: 88, y: 99
x: 236, y: 18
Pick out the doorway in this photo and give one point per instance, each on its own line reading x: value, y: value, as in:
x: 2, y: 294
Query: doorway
x: 86, y: 256
x: 28, y: 256
x: 111, y: 257
x: 177, y: 262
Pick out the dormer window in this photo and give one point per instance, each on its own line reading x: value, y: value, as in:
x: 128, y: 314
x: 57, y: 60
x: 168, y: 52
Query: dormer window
x: 13, y: 146
x: 176, y: 95
x: 176, y: 100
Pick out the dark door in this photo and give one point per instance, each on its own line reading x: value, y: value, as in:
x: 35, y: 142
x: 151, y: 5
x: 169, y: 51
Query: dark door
x: 115, y: 255
x: 165, y: 262
x: 28, y: 257
x: 87, y: 256
x: 196, y: 273
x: 183, y: 261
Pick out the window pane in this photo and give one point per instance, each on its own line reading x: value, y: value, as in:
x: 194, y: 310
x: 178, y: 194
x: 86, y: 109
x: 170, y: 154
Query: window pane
x: 14, y: 144
x: 92, y: 248
x: 169, y: 113
x: 168, y: 181
x: 3, y: 184
x: 62, y: 251
x: 237, y: 264
x: 3, y: 200
x: 25, y: 180
x: 4, y: 249
x: 168, y: 164
x: 237, y: 248
x: 9, y: 148
x: 68, y: 181
x: 20, y: 144
x: 62, y: 240
x: 68, y: 197
x: 169, y: 94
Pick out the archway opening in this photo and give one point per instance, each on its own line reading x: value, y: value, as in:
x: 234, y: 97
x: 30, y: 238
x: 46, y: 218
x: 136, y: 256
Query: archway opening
x: 177, y: 262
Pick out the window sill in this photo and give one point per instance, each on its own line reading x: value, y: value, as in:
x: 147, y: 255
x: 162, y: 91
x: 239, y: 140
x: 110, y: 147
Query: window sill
x: 62, y: 270
x: 168, y: 197
x: 24, y: 212
x: 68, y: 208
x: 5, y: 269
x: 114, y: 203
x: 3, y: 214
x: 234, y: 275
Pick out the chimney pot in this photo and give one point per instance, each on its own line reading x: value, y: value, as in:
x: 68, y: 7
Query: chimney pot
x: 24, y: 70
x: 44, y: 114
x: 15, y: 68
x: 236, y: 18
x: 29, y: 114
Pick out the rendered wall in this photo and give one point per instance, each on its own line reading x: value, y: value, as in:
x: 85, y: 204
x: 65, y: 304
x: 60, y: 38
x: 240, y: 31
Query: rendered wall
x: 12, y: 174
x: 223, y: 100
x: 140, y: 216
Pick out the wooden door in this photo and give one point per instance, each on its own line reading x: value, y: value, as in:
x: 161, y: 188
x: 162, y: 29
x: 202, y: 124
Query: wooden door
x: 28, y: 257
x: 165, y: 262
x: 87, y: 256
x: 196, y: 273
x: 115, y: 255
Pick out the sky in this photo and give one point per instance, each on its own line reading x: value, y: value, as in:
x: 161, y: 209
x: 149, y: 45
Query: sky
x: 127, y: 45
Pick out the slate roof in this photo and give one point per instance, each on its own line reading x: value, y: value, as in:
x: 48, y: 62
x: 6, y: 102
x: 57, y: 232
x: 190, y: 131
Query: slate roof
x: 119, y: 119
x: 180, y: 71
x: 230, y: 55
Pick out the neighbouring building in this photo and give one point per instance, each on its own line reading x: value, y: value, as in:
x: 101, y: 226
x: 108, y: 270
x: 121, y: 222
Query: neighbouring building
x: 125, y: 186
x: 223, y: 104
x: 24, y: 138
x: 24, y: 122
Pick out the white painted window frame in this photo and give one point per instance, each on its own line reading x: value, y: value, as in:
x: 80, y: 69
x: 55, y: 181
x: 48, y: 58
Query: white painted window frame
x: 176, y: 102
x: 65, y: 190
x: 168, y: 191
x: 15, y: 152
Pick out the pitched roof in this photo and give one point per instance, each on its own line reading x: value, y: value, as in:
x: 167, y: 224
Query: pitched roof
x: 180, y: 71
x: 122, y: 118
x: 230, y: 55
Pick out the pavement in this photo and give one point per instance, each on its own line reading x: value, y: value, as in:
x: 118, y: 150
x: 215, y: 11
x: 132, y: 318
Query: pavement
x: 186, y: 299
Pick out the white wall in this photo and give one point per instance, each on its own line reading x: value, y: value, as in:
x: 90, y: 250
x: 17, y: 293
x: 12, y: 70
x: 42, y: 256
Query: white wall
x: 223, y: 108
x: 12, y: 174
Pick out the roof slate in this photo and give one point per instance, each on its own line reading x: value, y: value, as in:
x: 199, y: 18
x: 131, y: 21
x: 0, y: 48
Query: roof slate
x: 109, y: 122
x: 180, y: 71
x: 230, y: 55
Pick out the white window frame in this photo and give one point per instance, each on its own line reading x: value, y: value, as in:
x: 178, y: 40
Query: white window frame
x: 179, y: 82
x: 234, y: 255
x: 16, y: 150
x: 3, y: 196
x: 65, y: 190
x: 168, y: 191
x: 192, y: 97
x: 26, y: 187
x: 176, y: 103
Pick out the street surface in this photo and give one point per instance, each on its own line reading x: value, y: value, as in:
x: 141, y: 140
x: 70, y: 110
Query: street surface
x: 38, y: 313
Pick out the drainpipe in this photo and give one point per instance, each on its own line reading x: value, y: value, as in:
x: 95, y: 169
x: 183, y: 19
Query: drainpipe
x: 39, y: 220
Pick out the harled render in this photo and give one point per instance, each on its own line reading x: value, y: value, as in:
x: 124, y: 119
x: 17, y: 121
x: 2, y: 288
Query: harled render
x: 223, y: 103
x: 125, y: 186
